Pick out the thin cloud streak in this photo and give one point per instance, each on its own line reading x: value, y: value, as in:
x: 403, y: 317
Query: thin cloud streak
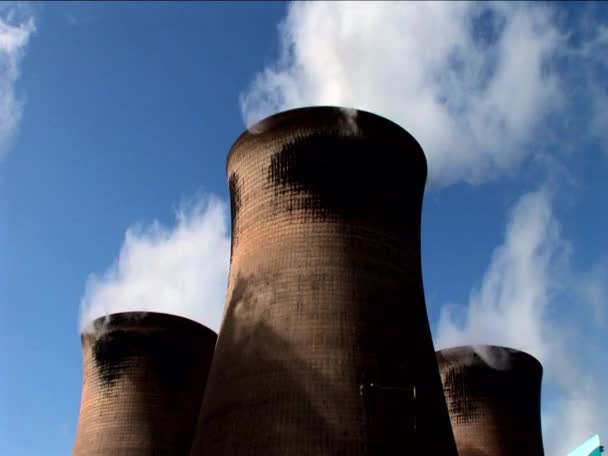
x: 16, y: 30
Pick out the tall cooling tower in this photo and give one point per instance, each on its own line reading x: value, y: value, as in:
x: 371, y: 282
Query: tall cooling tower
x: 325, y: 347
x: 143, y: 380
x: 493, y: 396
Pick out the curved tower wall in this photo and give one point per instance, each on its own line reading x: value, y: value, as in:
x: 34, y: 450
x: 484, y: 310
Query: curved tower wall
x: 143, y: 380
x: 493, y: 396
x: 325, y: 346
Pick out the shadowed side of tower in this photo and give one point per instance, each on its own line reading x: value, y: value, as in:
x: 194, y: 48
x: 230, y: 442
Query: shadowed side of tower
x: 493, y: 397
x: 143, y: 380
x: 325, y: 347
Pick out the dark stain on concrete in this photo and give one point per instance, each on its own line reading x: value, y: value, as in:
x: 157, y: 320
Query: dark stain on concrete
x: 166, y: 353
x: 235, y: 206
x: 332, y: 174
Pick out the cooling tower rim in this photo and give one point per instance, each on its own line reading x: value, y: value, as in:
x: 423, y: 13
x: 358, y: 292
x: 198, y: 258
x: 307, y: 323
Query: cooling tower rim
x: 316, y: 114
x: 462, y: 355
x: 141, y: 320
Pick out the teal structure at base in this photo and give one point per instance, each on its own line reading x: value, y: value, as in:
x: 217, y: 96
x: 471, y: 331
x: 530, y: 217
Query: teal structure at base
x: 591, y: 447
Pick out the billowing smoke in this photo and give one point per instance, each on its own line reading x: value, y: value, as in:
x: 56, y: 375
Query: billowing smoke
x: 349, y: 121
x: 474, y: 82
x: 512, y: 304
x: 16, y: 28
x: 180, y: 270
x: 496, y: 357
x: 516, y: 305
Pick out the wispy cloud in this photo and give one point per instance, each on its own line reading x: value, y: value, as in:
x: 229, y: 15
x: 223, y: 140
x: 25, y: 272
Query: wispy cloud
x: 594, y: 52
x: 16, y: 28
x: 474, y: 82
x: 181, y: 270
x: 516, y: 306
x: 592, y: 288
x: 77, y: 19
x: 512, y: 304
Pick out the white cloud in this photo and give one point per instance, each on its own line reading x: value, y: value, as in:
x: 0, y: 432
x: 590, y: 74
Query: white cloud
x: 511, y: 305
x: 576, y: 417
x: 474, y: 82
x: 594, y: 51
x: 592, y: 288
x: 15, y: 32
x: 181, y: 270
x: 515, y: 307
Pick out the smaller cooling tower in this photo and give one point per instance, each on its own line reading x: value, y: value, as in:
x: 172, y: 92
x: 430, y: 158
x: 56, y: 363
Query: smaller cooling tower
x: 143, y: 380
x: 493, y: 398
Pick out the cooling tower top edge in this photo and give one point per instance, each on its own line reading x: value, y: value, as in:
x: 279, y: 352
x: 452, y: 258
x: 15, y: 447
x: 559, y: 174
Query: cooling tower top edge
x: 326, y: 118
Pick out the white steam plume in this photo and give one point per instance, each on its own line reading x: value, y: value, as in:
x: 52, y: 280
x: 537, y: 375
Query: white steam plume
x: 515, y: 306
x: 181, y: 271
x: 16, y: 28
x: 472, y: 81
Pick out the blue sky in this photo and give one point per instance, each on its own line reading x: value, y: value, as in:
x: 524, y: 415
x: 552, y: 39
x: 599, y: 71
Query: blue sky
x: 115, y: 121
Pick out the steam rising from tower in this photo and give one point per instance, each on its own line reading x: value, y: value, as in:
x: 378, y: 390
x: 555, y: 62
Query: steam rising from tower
x: 325, y: 346
x: 493, y: 396
x: 143, y: 381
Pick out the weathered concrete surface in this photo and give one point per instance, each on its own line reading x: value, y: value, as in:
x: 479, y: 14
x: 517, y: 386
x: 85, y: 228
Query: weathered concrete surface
x: 493, y: 400
x: 325, y: 347
x: 143, y: 381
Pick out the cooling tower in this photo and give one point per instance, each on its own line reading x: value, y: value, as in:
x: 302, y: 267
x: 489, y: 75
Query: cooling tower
x: 325, y: 347
x: 143, y: 381
x: 493, y: 396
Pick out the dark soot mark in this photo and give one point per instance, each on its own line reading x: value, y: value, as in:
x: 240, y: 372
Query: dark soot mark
x: 168, y: 357
x: 235, y: 195
x: 347, y: 176
x: 461, y: 405
x: 471, y: 389
x: 235, y: 205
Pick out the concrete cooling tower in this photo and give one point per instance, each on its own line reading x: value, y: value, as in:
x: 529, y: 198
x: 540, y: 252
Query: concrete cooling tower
x: 325, y: 347
x: 143, y: 381
x: 493, y: 396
